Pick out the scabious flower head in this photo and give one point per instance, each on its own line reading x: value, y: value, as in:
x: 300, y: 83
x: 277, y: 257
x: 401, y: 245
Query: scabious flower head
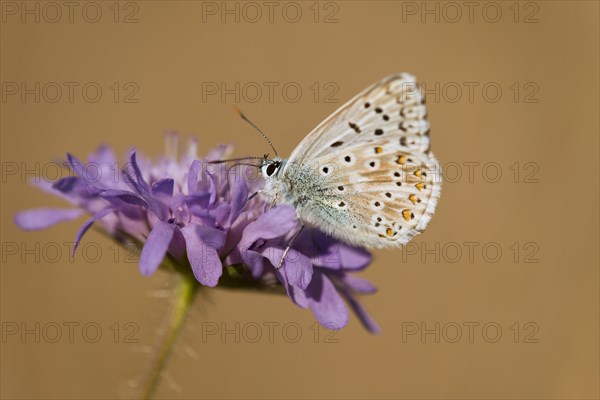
x: 202, y: 216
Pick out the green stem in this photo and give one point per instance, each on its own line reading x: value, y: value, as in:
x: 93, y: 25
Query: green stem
x: 234, y: 277
x: 186, y: 289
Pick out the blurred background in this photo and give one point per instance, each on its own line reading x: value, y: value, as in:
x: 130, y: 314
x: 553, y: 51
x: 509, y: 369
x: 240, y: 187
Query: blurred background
x: 497, y: 299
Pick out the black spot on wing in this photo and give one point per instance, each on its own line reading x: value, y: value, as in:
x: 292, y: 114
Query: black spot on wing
x: 354, y: 127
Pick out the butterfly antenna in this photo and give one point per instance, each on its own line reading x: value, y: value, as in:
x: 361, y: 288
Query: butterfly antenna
x: 257, y: 128
x: 244, y: 164
x: 233, y: 159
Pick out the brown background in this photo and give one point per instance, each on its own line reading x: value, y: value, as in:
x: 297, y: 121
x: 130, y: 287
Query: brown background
x: 170, y: 52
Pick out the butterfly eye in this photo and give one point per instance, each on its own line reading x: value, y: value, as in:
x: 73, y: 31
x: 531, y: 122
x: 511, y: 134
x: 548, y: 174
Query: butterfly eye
x: 271, y: 168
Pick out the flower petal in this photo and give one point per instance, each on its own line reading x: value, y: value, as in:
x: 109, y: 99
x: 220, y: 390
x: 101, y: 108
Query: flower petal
x: 157, y: 207
x: 203, y: 214
x: 220, y: 152
x: 164, y: 187
x: 202, y: 243
x: 42, y: 218
x: 178, y: 207
x: 104, y: 156
x: 192, y: 149
x: 296, y: 266
x: 177, y: 246
x: 212, y: 188
x: 123, y: 195
x: 220, y: 213
x: 211, y: 236
x: 65, y: 185
x: 234, y: 233
x: 76, y: 165
x: 106, y: 167
x: 254, y: 261
x: 354, y: 283
x: 156, y: 246
x: 192, y: 179
x: 297, y: 295
x: 239, y: 197
x: 366, y: 320
x: 87, y: 224
x: 131, y: 182
x: 325, y: 302
x: 353, y: 258
x: 47, y: 187
x: 138, y: 173
x: 336, y: 255
x: 276, y: 222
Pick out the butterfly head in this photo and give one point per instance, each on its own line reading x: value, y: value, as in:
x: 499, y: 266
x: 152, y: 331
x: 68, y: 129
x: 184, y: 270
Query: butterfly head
x: 270, y: 168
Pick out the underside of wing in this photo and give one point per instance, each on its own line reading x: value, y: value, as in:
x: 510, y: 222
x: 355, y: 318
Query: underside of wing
x: 377, y: 173
x: 389, y: 195
x: 394, y: 106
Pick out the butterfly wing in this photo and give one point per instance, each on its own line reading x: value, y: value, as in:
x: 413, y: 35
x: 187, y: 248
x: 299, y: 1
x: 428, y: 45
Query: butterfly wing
x: 378, y: 182
x: 395, y: 105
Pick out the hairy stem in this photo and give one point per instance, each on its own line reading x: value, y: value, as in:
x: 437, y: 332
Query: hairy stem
x: 234, y: 277
x: 186, y: 288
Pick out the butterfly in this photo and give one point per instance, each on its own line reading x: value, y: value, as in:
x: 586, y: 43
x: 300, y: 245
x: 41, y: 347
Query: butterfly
x: 366, y: 174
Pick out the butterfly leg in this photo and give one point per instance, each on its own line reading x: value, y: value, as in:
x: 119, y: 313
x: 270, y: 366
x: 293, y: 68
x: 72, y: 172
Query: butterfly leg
x: 273, y: 201
x: 253, y: 195
x: 288, y: 247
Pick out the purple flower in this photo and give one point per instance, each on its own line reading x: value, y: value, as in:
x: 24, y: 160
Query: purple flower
x: 202, y: 215
x: 316, y: 272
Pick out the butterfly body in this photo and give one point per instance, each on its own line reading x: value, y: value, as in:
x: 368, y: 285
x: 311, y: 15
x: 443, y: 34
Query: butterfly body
x: 365, y: 175
x: 311, y: 195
